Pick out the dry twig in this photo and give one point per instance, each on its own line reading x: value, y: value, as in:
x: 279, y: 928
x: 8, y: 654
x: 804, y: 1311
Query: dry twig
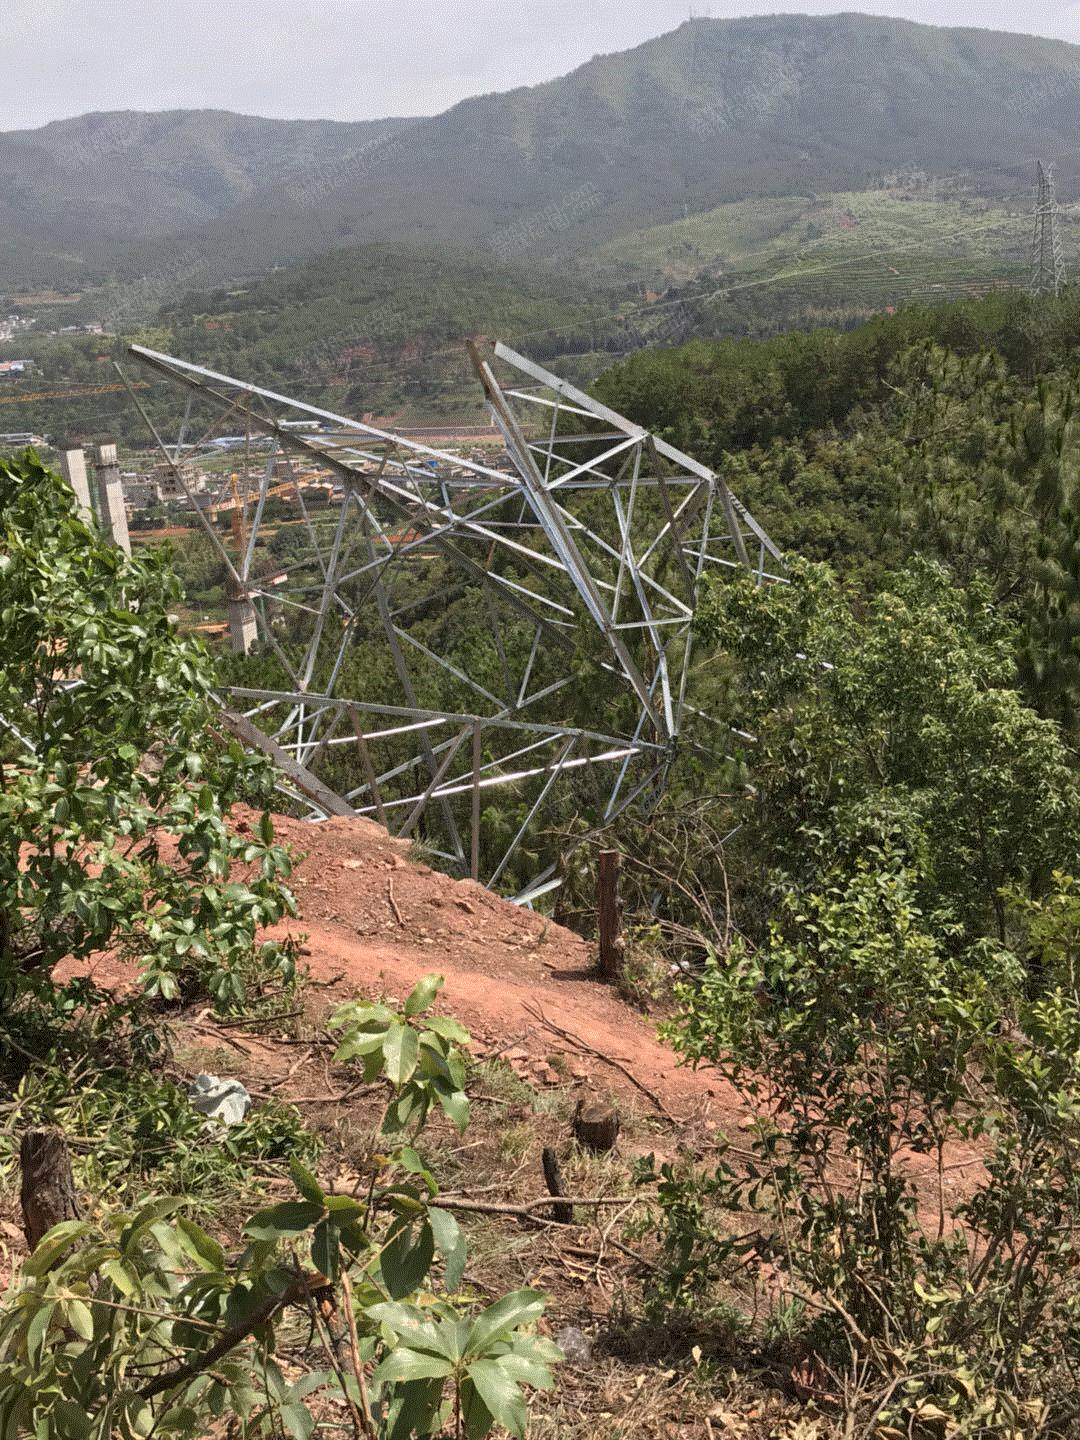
x: 588, y: 1049
x: 529, y: 1209
x: 393, y: 902
x: 354, y: 1345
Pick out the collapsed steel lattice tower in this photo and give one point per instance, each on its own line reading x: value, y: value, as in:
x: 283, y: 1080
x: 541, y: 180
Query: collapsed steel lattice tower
x: 581, y: 551
x: 1047, y: 256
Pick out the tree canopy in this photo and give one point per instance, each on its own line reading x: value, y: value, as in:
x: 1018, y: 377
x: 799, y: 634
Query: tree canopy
x: 897, y: 721
x: 115, y: 787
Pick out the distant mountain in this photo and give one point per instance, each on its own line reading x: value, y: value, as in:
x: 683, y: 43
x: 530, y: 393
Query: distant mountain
x: 81, y: 195
x: 716, y: 110
x: 720, y: 110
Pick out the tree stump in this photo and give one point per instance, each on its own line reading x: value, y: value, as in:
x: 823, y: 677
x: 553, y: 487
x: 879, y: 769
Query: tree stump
x: 48, y: 1188
x: 596, y: 1124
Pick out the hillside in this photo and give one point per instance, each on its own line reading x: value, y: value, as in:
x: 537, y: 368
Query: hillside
x: 797, y: 260
x: 370, y: 328
x: 721, y: 110
x: 379, y: 327
x: 373, y: 917
x: 841, y: 1192
x: 79, y: 195
x: 716, y: 110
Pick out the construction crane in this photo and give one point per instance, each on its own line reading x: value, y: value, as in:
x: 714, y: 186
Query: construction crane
x: 235, y: 503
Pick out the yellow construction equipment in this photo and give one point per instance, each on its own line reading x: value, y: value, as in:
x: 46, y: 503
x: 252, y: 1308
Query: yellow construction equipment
x: 236, y: 503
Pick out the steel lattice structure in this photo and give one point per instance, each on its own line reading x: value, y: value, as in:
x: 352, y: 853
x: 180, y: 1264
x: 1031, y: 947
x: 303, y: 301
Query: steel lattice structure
x: 1047, y: 257
x: 581, y: 550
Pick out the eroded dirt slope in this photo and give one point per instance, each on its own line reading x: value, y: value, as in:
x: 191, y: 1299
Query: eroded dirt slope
x: 526, y: 988
x: 375, y: 921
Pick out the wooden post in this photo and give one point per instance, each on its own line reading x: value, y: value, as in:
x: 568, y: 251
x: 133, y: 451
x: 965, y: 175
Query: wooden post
x: 607, y: 904
x: 475, y: 867
x: 48, y: 1188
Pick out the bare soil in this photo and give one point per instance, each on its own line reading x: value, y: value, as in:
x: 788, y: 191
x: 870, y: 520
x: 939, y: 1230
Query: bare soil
x: 375, y: 921
x: 372, y: 919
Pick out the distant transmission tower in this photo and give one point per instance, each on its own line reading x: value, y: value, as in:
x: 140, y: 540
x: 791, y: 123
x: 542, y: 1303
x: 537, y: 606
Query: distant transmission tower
x: 1047, y: 259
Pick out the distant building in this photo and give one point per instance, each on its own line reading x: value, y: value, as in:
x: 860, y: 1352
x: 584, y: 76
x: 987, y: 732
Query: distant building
x: 14, y: 367
x: 139, y: 491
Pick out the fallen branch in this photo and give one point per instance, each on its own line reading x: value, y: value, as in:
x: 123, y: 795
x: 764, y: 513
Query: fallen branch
x: 230, y: 1022
x: 633, y: 1255
x: 598, y: 1257
x: 329, y: 1099
x: 218, y: 1034
x: 529, y: 1209
x: 284, y: 1079
x: 586, y: 1048
x: 328, y: 982
x: 506, y: 1045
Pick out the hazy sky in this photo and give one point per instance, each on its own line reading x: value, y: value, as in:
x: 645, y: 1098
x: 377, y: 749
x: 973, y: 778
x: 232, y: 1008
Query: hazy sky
x: 360, y: 59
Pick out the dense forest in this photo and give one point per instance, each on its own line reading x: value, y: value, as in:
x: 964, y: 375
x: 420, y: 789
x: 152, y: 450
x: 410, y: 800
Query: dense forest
x: 891, y: 973
x: 379, y: 327
x: 946, y: 431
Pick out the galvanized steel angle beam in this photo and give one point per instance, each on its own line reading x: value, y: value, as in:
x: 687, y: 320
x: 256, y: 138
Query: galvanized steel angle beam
x: 580, y: 548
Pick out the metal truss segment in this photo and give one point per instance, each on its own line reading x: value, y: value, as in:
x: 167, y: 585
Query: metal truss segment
x: 535, y: 611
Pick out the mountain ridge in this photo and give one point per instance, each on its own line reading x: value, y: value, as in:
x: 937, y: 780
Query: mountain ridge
x: 714, y: 110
